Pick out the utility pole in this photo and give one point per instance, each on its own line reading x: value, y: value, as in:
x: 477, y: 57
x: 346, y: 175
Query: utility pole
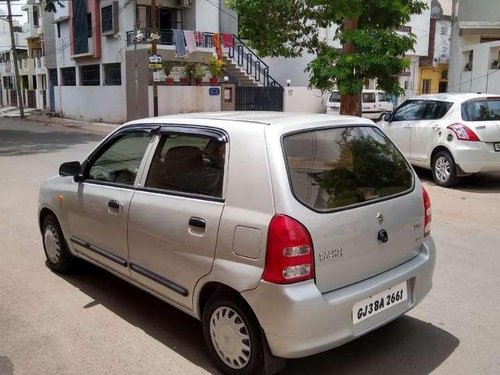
x: 153, y: 52
x: 14, y: 54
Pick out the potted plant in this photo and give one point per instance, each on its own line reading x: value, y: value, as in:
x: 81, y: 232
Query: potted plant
x: 167, y: 69
x: 215, y: 68
x: 198, y: 74
x: 189, y: 68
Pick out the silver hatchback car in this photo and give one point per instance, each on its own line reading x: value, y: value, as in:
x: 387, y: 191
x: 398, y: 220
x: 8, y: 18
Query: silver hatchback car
x: 285, y: 234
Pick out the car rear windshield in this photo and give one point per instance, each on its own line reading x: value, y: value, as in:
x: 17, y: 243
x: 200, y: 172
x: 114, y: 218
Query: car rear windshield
x: 334, y: 168
x: 481, y: 110
x: 334, y: 97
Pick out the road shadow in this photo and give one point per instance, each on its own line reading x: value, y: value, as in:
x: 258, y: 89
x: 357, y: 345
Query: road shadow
x: 476, y: 183
x: 6, y: 366
x: 406, y: 346
x: 23, y: 142
x: 166, y: 324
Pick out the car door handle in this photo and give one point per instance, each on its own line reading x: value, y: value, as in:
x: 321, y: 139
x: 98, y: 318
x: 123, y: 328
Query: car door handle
x: 436, y: 127
x: 115, y: 205
x: 197, y: 222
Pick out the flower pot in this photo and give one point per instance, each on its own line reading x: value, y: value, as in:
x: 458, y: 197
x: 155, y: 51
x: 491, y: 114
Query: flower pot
x: 213, y: 81
x: 169, y: 81
x: 198, y: 81
x: 184, y: 81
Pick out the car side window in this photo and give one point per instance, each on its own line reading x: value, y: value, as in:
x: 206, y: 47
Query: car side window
x: 409, y: 111
x: 368, y: 97
x: 436, y: 110
x: 382, y: 97
x: 119, y: 162
x: 192, y: 164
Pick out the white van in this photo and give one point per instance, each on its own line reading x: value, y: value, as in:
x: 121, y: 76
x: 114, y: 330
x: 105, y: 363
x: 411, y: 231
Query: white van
x: 374, y: 103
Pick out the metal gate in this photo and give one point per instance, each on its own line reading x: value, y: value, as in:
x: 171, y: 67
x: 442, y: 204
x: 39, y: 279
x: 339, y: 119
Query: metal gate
x: 250, y: 98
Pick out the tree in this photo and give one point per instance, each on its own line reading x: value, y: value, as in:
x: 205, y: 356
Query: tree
x: 50, y: 5
x: 372, y: 48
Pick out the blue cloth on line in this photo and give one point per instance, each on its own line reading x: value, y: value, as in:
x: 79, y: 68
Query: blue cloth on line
x: 180, y: 45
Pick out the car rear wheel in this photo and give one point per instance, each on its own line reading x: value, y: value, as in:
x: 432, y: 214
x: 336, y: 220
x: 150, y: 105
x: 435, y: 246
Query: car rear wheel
x: 59, y: 258
x: 444, y: 169
x: 232, y: 336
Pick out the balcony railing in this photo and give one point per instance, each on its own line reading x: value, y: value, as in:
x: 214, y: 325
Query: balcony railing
x: 203, y: 39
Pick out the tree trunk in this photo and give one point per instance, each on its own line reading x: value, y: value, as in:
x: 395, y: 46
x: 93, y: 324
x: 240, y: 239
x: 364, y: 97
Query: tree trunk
x: 349, y: 103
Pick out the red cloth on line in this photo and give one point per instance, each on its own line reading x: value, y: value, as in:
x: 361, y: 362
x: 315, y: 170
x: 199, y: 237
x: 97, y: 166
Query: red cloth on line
x: 227, y: 40
x: 217, y: 46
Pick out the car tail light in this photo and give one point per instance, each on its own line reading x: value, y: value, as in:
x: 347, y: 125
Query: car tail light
x: 463, y: 132
x: 290, y: 255
x: 427, y: 213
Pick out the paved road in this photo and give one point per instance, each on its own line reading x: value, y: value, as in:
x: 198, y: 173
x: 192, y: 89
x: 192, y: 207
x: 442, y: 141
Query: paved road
x: 93, y: 323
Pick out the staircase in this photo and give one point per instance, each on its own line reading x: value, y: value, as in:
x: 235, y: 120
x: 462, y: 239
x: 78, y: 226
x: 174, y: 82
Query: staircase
x: 245, y: 68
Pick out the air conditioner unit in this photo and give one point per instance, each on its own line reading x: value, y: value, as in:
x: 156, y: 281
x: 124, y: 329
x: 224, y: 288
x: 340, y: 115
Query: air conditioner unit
x: 185, y: 3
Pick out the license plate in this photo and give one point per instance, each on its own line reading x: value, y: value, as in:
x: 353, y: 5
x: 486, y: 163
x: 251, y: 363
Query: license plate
x: 496, y: 146
x: 379, y: 302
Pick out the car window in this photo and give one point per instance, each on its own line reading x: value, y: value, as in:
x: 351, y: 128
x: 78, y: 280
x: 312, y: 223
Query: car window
x: 409, y: 111
x: 436, y: 110
x: 368, y: 97
x: 334, y: 97
x: 382, y: 97
x: 120, y: 161
x: 481, y: 110
x: 333, y: 168
x: 189, y: 164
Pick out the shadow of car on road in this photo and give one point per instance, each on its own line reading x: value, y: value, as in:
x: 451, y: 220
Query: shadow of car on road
x: 406, y: 346
x: 475, y: 183
x: 24, y: 142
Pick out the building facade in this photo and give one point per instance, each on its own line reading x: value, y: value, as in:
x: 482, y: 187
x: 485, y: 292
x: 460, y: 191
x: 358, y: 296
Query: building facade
x: 475, y: 47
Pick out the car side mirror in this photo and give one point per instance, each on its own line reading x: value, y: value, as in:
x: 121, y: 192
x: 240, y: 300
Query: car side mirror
x: 71, y: 168
x: 387, y: 117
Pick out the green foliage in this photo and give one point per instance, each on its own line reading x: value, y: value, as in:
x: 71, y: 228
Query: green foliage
x: 289, y: 28
x: 214, y: 66
x: 50, y: 5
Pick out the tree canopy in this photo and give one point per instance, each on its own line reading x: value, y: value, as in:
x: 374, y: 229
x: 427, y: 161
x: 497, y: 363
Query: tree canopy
x: 50, y: 5
x: 368, y: 28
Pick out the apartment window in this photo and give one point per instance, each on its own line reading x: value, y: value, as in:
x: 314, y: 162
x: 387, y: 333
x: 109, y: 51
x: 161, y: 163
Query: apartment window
x: 35, y: 85
x: 68, y: 77
x: 113, y: 74
x: 35, y: 17
x: 81, y: 26
x: 107, y: 18
x: 89, y: 25
x: 426, y: 86
x: 58, y: 30
x: 469, y: 57
x: 90, y: 75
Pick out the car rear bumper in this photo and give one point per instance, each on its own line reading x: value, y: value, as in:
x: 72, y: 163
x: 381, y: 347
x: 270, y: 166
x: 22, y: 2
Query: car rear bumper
x: 474, y: 157
x: 299, y: 321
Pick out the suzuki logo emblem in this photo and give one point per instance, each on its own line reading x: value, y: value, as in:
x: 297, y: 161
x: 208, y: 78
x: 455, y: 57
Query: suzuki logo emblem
x: 380, y: 218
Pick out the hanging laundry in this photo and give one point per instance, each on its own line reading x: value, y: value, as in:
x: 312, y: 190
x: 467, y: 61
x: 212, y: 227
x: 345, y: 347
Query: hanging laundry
x: 227, y: 40
x: 199, y: 37
x: 190, y: 41
x: 217, y: 46
x: 180, y: 46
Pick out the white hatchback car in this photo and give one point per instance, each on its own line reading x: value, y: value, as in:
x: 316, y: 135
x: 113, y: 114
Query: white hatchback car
x: 452, y: 134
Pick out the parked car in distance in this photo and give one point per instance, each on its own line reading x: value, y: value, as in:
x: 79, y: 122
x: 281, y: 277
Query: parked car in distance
x: 374, y: 103
x: 451, y: 134
x: 270, y: 228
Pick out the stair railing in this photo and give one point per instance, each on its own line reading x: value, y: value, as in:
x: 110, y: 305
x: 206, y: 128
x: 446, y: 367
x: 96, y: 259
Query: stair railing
x: 254, y: 66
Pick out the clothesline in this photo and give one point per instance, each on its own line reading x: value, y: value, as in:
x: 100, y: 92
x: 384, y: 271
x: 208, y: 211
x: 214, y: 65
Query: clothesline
x: 187, y: 42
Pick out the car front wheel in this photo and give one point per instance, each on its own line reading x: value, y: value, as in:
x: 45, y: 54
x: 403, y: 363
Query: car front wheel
x: 59, y: 258
x: 444, y: 169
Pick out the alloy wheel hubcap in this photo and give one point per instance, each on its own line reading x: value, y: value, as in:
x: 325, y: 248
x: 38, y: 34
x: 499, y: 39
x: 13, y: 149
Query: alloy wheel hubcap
x: 230, y: 337
x: 52, y: 244
x: 442, y: 169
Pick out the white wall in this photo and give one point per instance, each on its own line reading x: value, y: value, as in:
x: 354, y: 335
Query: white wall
x: 302, y: 99
x: 207, y: 15
x: 92, y: 103
x: 420, y: 25
x: 184, y: 99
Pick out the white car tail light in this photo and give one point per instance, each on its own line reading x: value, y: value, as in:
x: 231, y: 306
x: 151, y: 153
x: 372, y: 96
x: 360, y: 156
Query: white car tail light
x: 427, y: 213
x: 463, y: 132
x: 290, y: 256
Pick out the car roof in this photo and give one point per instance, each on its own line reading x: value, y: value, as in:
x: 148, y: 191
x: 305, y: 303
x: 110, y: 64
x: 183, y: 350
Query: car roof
x: 263, y: 118
x: 453, y: 97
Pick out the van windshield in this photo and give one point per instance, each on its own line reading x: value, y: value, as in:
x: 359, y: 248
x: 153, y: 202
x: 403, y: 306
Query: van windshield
x: 339, y: 167
x: 334, y: 97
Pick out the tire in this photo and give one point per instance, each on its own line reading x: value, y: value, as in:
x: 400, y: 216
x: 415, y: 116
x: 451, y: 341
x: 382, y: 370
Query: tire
x: 444, y: 169
x: 59, y: 258
x: 238, y: 350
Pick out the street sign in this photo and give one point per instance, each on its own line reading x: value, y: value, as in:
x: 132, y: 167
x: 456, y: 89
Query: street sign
x: 155, y: 59
x: 214, y: 91
x: 156, y: 76
x: 154, y: 66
